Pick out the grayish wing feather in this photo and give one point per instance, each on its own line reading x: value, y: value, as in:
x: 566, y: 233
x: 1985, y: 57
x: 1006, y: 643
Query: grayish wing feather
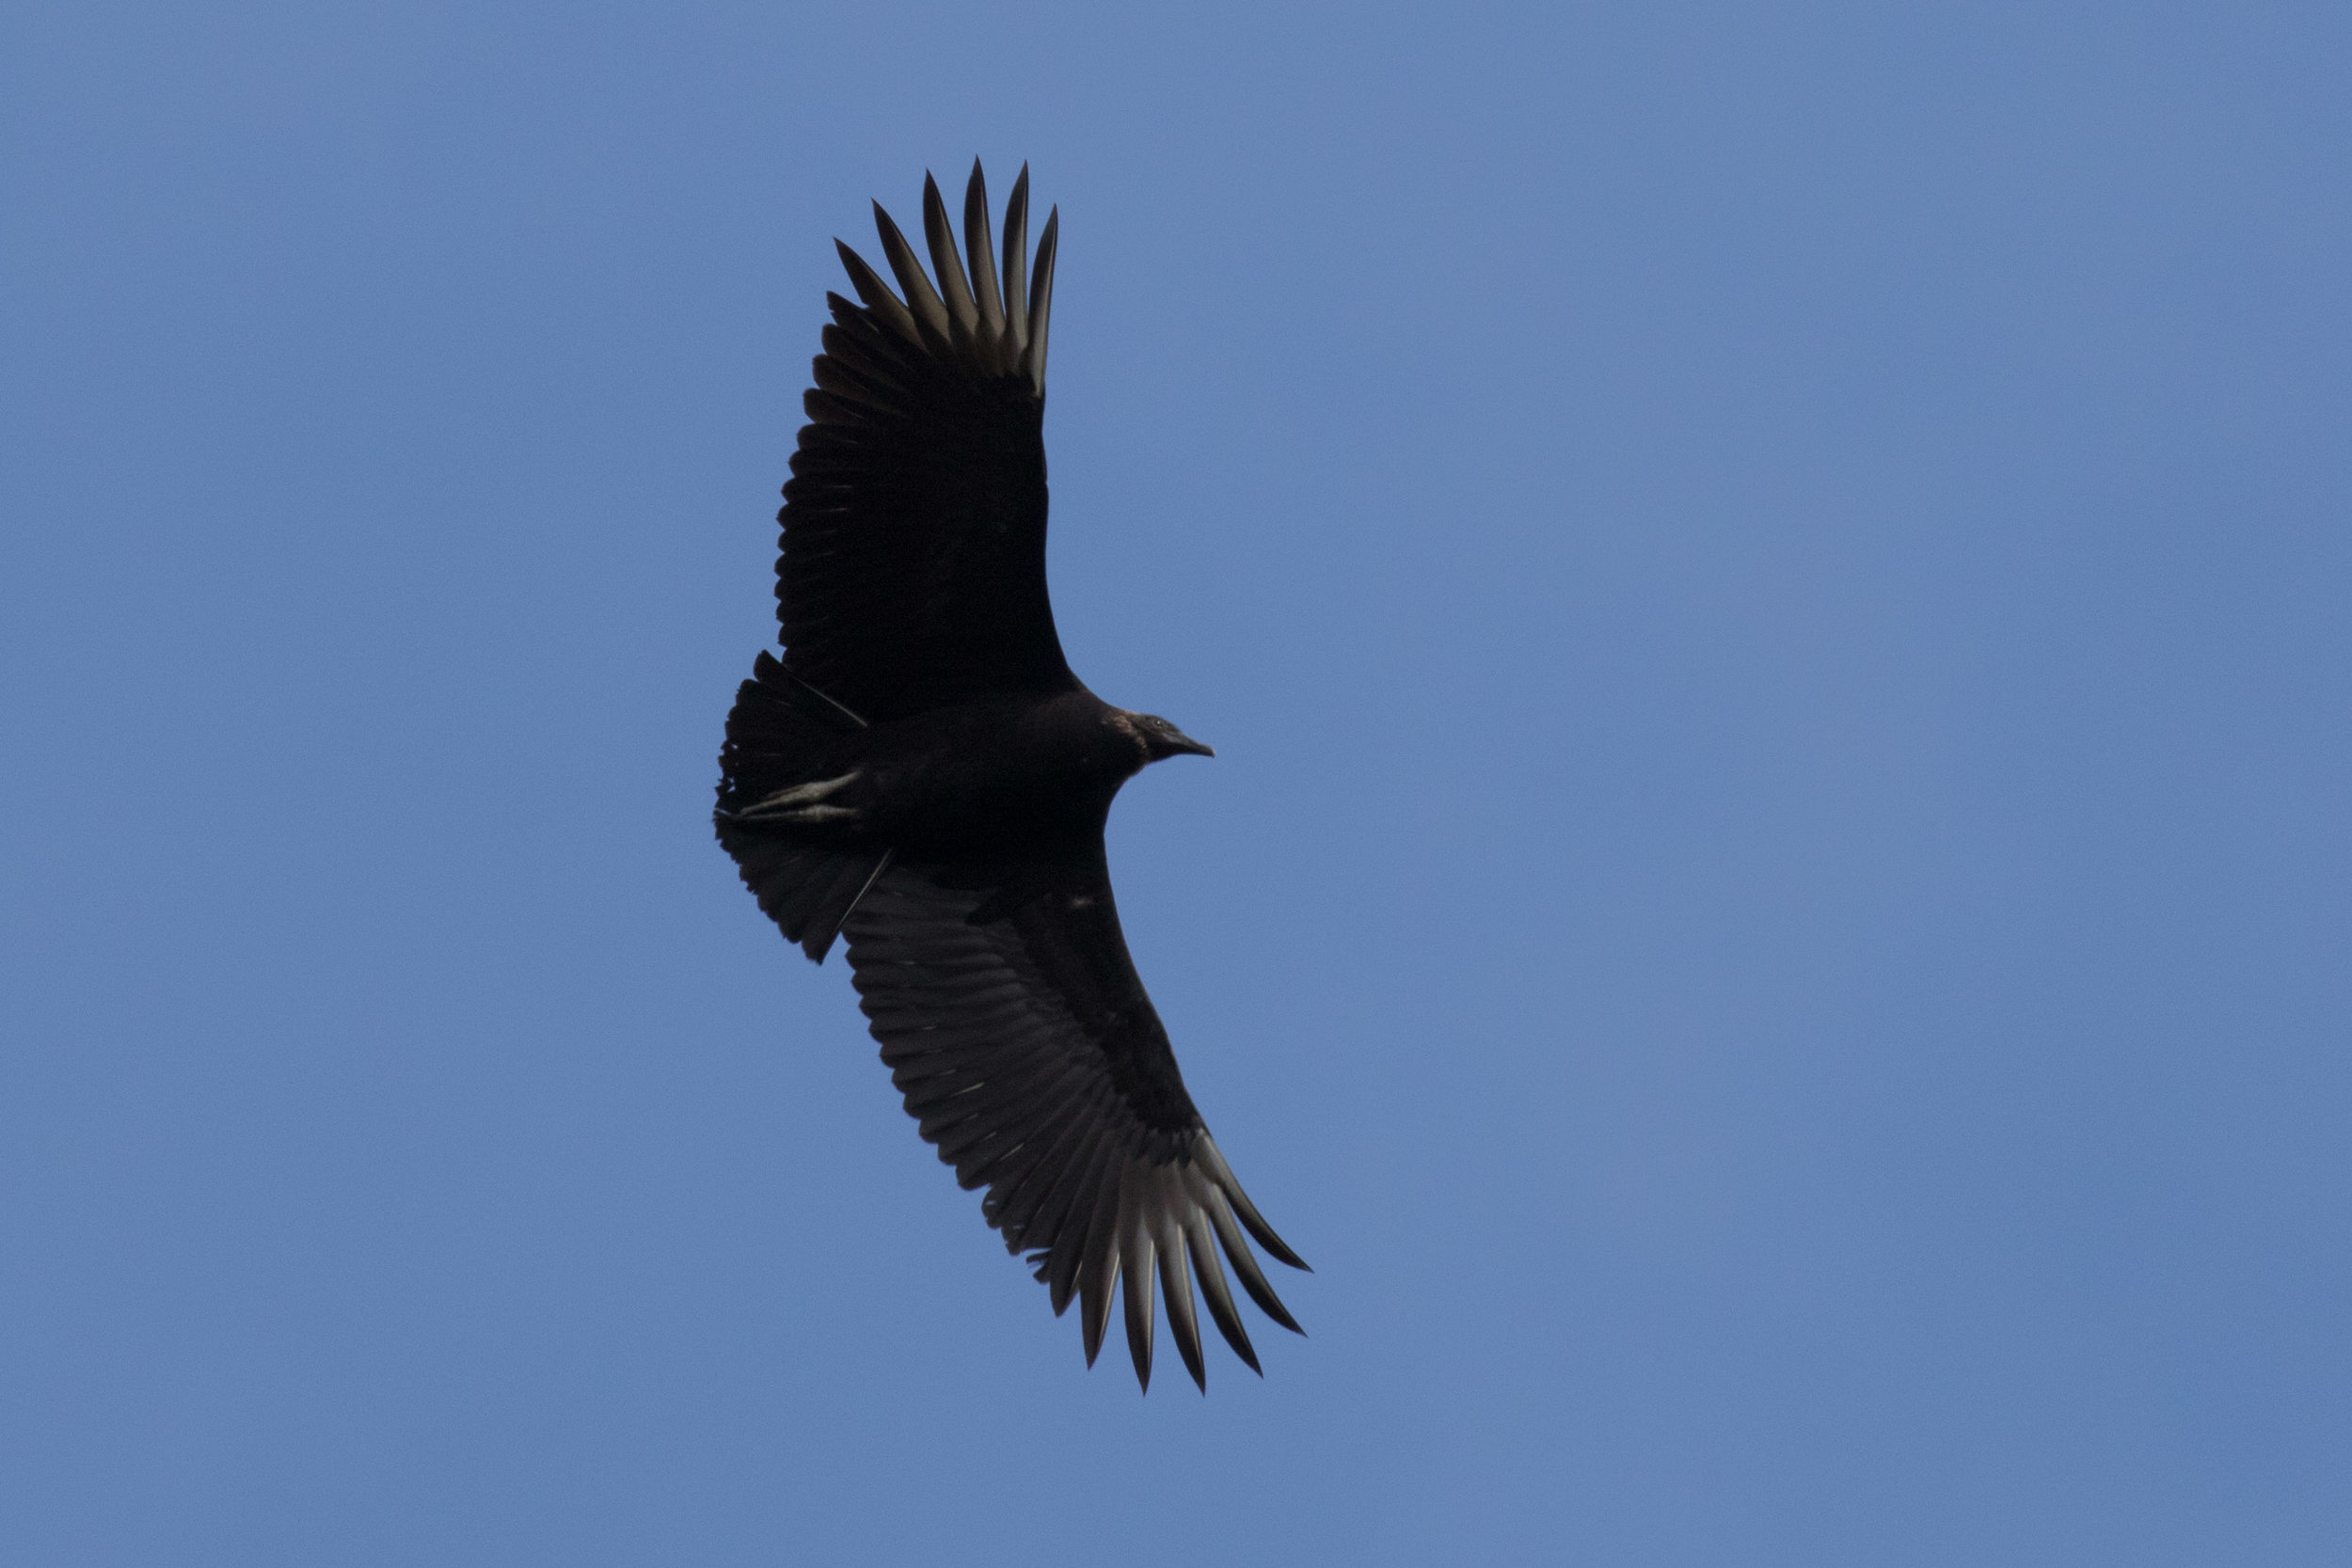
x: 1016, y: 253
x: 1019, y: 1086
x: 915, y: 287
x: 963, y: 313
x: 1041, y: 299
x: 978, y: 250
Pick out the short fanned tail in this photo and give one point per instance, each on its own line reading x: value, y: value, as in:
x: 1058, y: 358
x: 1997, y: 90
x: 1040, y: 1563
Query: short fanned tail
x: 776, y: 737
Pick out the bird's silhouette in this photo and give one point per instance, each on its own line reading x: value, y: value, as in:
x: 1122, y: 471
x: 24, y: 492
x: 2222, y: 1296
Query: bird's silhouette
x: 922, y: 775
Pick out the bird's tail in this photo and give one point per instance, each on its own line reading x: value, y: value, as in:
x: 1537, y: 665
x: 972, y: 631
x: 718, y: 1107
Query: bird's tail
x: 778, y: 736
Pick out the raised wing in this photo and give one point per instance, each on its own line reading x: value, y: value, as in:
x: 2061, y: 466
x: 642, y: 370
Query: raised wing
x: 1015, y: 1025
x: 912, y: 572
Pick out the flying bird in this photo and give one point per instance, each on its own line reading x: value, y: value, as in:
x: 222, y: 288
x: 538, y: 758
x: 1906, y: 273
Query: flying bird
x: 922, y: 775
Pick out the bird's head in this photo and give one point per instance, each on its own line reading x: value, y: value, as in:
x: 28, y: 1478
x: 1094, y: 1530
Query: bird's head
x: 1161, y: 740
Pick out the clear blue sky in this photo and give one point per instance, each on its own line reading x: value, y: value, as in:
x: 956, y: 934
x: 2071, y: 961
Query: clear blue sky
x: 1771, y: 587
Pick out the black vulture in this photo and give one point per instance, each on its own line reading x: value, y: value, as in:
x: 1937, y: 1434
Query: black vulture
x: 922, y: 775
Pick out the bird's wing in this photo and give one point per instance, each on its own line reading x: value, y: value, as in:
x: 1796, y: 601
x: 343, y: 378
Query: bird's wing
x: 912, y: 572
x: 1013, y: 1022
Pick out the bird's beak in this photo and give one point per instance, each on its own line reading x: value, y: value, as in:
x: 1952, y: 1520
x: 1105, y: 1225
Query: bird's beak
x: 1183, y: 742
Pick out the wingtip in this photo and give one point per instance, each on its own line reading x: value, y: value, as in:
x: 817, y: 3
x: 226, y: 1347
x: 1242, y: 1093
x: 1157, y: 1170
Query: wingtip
x: 925, y: 308
x: 1136, y: 1271
x: 979, y: 250
x: 1041, y: 298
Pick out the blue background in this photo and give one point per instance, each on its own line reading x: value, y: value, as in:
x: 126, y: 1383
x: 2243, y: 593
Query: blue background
x: 1770, y: 586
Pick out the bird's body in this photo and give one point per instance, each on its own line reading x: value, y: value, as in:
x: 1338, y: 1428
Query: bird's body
x: 1012, y: 773
x: 923, y: 775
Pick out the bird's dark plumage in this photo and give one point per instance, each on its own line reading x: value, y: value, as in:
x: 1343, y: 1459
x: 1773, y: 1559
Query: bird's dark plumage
x: 922, y: 775
x: 914, y: 565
